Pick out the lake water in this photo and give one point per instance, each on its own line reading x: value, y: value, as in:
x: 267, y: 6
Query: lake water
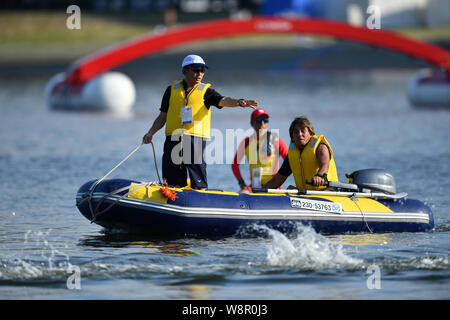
x: 46, y: 246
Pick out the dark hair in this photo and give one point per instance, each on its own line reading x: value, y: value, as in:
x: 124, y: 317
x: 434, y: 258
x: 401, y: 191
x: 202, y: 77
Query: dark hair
x: 304, y: 122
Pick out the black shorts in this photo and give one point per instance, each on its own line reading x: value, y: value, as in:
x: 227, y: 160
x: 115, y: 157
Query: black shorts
x: 179, y: 158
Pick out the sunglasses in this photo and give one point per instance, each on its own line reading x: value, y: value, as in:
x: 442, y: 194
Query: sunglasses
x: 198, y: 70
x: 259, y: 120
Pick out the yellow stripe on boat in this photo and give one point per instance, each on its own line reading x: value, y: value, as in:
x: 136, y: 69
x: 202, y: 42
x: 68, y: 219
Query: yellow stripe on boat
x: 229, y: 193
x: 267, y: 194
x: 362, y: 204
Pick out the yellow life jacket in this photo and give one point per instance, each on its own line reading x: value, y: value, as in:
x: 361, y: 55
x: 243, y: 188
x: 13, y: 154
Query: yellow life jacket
x: 201, y: 115
x: 304, y: 164
x: 262, y: 154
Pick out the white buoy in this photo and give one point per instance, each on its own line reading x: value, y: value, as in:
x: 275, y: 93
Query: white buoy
x: 430, y: 89
x: 110, y: 91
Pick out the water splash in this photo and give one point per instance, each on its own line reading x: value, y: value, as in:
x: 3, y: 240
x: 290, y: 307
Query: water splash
x: 306, y: 250
x: 37, y: 259
x: 26, y: 269
x: 47, y: 249
x: 426, y: 262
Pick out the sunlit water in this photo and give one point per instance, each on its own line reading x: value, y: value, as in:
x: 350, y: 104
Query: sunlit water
x: 45, y: 156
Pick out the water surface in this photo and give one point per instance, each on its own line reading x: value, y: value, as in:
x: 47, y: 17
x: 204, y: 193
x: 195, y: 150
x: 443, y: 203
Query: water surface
x: 45, y: 156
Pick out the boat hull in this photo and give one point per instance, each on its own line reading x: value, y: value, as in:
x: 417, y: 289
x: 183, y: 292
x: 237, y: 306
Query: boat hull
x: 216, y: 213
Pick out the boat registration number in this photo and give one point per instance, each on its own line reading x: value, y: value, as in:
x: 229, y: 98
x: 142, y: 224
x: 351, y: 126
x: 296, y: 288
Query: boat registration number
x: 316, y: 205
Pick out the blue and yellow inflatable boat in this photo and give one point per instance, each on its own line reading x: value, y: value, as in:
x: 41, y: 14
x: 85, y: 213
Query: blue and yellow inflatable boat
x: 137, y: 206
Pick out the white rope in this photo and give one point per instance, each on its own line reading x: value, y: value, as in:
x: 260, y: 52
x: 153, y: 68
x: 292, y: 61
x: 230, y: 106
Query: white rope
x: 130, y: 189
x: 355, y: 201
x: 113, y: 169
x: 94, y: 213
x: 156, y: 165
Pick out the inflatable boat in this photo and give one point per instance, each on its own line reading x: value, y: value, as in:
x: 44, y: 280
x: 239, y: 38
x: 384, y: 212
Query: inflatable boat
x: 369, y: 203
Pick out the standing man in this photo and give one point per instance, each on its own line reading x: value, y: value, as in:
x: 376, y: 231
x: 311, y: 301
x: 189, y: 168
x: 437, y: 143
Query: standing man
x: 262, y: 149
x: 186, y: 113
x: 310, y: 157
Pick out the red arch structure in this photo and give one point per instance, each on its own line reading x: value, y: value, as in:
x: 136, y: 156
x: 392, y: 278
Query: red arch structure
x: 87, y: 68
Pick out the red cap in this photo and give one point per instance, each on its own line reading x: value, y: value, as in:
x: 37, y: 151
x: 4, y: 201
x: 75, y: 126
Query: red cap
x: 258, y: 113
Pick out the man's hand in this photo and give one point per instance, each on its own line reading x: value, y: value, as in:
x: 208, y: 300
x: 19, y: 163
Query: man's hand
x: 318, y: 181
x: 248, y: 103
x: 246, y: 190
x: 233, y: 102
x: 147, y: 138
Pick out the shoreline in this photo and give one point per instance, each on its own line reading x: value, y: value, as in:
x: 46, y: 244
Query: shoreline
x: 40, y: 40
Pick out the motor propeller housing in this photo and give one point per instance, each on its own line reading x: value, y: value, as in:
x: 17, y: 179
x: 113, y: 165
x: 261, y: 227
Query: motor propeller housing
x: 373, y: 180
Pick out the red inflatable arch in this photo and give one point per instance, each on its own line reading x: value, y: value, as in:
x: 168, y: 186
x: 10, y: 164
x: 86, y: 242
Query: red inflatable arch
x: 87, y: 68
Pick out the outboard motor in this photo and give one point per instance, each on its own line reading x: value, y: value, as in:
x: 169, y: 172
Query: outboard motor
x: 373, y: 180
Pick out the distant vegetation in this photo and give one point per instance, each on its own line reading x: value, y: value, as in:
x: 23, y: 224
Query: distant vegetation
x: 50, y: 27
x: 42, y: 27
x: 44, y: 36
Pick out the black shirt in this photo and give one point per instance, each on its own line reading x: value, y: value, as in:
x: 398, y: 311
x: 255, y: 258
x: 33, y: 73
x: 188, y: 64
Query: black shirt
x: 212, y: 98
x: 285, y: 169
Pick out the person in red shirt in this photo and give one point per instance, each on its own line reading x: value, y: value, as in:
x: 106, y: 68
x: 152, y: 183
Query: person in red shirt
x: 262, y: 149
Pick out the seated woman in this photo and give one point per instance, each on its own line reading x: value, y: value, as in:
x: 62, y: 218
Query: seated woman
x: 310, y: 157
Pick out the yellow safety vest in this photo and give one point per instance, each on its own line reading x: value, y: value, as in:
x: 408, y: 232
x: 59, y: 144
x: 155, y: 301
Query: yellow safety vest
x: 201, y: 115
x: 262, y: 156
x: 304, y: 164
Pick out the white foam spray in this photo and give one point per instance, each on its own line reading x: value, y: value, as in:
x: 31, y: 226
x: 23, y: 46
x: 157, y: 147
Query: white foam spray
x: 308, y: 250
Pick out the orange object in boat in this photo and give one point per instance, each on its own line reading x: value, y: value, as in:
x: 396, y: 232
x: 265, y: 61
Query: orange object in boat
x: 166, y: 192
